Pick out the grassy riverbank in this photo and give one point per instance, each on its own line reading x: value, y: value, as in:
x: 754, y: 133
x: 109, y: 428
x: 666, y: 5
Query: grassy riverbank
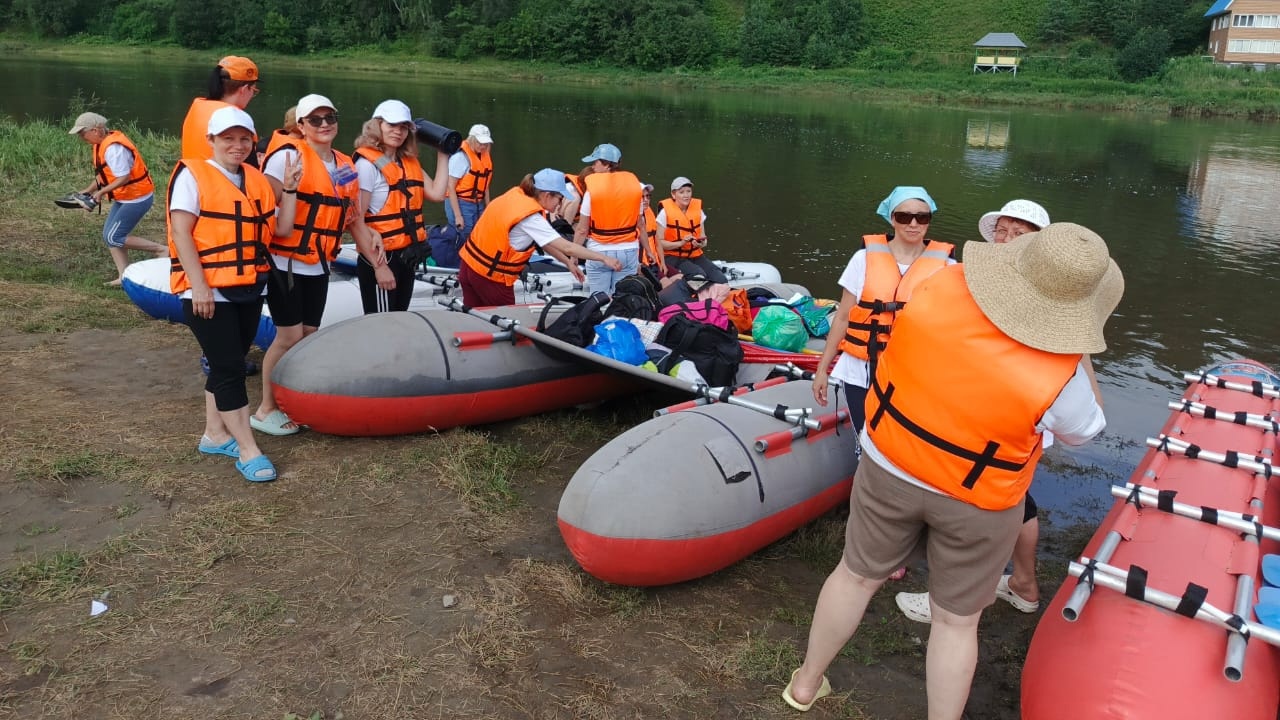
x: 324, y: 593
x: 1186, y: 87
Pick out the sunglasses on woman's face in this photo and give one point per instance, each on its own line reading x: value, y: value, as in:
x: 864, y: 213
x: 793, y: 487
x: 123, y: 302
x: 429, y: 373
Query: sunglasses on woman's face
x: 905, y: 218
x: 318, y: 120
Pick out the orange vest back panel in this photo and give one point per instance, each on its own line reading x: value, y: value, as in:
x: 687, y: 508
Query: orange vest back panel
x: 488, y: 250
x: 683, y: 225
x: 615, y: 207
x: 885, y: 291
x: 955, y: 401
x: 400, y: 220
x: 231, y: 230
x: 139, y: 183
x: 649, y: 248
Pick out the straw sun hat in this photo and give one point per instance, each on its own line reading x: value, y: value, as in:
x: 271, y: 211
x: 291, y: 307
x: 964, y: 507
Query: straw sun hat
x: 1052, y: 290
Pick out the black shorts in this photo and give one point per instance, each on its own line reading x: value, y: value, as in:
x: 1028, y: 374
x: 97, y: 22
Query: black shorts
x: 1030, y: 509
x: 298, y: 299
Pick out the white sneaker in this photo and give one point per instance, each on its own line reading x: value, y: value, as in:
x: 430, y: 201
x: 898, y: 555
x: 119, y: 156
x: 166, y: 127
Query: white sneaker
x: 915, y: 606
x: 1006, y: 593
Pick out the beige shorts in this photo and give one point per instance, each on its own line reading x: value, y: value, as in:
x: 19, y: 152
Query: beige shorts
x: 967, y: 547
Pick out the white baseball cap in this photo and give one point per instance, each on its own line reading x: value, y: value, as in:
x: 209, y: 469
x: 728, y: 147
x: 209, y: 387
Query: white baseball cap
x: 393, y: 111
x: 310, y: 103
x: 480, y: 133
x: 223, y: 119
x: 680, y: 182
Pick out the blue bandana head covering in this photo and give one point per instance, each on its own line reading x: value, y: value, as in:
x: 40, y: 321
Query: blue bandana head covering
x: 901, y: 194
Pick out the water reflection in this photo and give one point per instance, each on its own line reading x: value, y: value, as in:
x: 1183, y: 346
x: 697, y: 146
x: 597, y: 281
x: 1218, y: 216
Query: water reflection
x: 986, y: 142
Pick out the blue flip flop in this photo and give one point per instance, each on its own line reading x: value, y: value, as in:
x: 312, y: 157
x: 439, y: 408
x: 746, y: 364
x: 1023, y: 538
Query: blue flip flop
x: 1268, y: 607
x: 1271, y: 569
x: 228, y: 448
x: 257, y: 470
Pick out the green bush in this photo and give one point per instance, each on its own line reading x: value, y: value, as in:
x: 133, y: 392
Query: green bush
x: 1143, y: 55
x: 52, y: 18
x: 141, y: 20
x: 279, y: 33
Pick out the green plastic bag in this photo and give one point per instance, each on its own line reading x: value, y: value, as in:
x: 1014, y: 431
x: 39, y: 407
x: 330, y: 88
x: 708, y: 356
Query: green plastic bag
x: 780, y: 328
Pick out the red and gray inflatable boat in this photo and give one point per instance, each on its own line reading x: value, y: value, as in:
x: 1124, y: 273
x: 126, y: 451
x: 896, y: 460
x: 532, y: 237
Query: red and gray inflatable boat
x: 1160, y: 624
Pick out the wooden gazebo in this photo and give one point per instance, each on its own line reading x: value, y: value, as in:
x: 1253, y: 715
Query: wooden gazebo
x: 998, y: 52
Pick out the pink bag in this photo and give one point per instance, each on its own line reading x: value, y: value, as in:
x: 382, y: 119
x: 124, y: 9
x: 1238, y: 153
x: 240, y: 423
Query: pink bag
x: 703, y: 311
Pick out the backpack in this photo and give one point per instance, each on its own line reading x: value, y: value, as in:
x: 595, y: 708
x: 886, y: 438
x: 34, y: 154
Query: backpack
x: 705, y: 311
x: 714, y: 351
x: 576, y: 325
x: 634, y: 297
x: 445, y: 242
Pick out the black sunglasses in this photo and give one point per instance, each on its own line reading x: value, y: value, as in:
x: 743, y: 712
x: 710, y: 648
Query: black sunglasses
x: 905, y: 218
x: 318, y: 120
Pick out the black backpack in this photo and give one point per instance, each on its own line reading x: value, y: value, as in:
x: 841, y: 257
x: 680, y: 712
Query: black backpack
x: 577, y: 325
x: 634, y: 297
x: 715, y: 352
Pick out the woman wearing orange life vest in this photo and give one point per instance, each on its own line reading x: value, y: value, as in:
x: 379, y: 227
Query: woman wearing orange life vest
x: 610, y: 219
x: 221, y: 214
x: 876, y: 283
x: 233, y: 82
x: 394, y: 187
x: 506, y: 236
x: 470, y: 173
x: 120, y: 174
x: 684, y: 228
x: 328, y: 203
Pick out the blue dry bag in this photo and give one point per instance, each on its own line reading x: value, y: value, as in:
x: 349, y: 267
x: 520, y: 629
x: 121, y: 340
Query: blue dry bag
x: 618, y: 339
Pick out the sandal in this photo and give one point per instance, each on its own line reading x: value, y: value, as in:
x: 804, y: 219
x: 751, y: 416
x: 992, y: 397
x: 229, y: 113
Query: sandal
x: 274, y: 423
x: 257, y: 470
x: 823, y: 691
x: 228, y: 448
x: 915, y: 606
x: 1006, y: 593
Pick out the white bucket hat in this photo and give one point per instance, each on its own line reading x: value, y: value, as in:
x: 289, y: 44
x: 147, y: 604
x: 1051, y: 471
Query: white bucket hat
x: 1024, y: 210
x: 1052, y: 290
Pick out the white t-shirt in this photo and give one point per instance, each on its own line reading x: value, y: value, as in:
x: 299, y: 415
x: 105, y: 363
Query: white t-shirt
x: 533, y: 229
x: 849, y: 369
x: 1074, y: 418
x: 275, y: 169
x: 662, y: 220
x: 120, y: 160
x: 373, y: 182
x: 459, y: 164
x: 184, y: 196
x: 585, y: 210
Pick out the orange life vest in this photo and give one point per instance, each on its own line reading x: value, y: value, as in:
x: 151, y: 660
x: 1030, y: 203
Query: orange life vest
x: 322, y: 208
x: 472, y: 186
x: 577, y: 184
x: 615, y: 206
x: 683, y: 225
x: 488, y: 250
x: 649, y: 249
x: 885, y: 291
x: 277, y: 139
x: 139, y: 183
x: 964, y: 424
x: 400, y: 219
x: 231, y: 230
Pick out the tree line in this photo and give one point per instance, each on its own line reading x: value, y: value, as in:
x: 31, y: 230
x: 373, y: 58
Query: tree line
x: 1129, y: 39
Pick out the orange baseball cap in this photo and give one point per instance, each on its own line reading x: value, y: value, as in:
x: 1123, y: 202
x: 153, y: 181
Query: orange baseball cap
x: 239, y: 68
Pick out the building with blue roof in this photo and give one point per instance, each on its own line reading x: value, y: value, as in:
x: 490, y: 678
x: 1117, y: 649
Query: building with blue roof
x: 1245, y: 32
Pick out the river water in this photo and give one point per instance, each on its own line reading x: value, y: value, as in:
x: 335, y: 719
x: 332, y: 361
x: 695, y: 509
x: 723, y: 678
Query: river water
x: 1189, y: 208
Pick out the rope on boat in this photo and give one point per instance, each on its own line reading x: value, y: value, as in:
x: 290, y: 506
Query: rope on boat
x: 1232, y: 459
x: 1195, y: 409
x: 1255, y: 387
x: 1163, y: 500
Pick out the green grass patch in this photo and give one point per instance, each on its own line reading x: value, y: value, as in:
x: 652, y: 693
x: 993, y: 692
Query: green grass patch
x: 766, y: 660
x: 72, y: 465
x: 879, y: 638
x: 482, y: 470
x: 49, y: 577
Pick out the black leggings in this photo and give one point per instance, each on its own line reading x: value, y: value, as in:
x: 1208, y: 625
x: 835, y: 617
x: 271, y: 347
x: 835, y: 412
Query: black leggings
x: 700, y: 265
x: 225, y: 339
x: 374, y: 298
